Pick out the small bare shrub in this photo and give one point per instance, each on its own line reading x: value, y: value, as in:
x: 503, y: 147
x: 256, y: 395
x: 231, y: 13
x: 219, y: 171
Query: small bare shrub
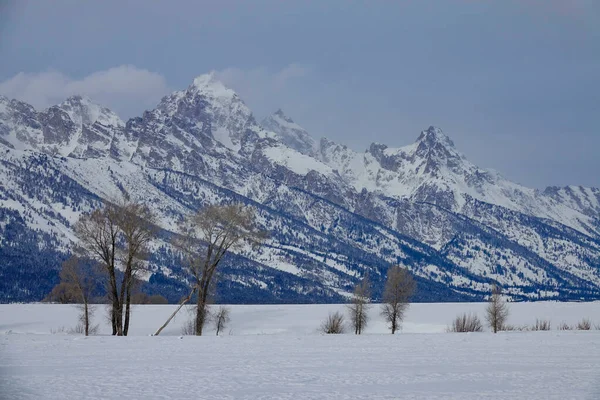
x: 221, y: 318
x: 584, y: 325
x: 80, y: 329
x: 334, y: 324
x: 466, y: 323
x: 517, y: 328
x: 189, y: 327
x: 564, y: 327
x: 541, y: 325
x: 59, y: 331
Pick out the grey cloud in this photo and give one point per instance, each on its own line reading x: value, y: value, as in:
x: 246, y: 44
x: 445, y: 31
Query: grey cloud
x: 127, y: 89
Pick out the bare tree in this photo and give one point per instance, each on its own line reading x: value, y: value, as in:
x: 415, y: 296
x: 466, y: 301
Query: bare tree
x: 138, y: 227
x: 359, y: 307
x: 496, y: 310
x: 221, y: 318
x: 399, y: 287
x: 98, y: 235
x: 466, y: 323
x: 206, y: 237
x: 334, y: 324
x: 117, y: 236
x: 80, y: 275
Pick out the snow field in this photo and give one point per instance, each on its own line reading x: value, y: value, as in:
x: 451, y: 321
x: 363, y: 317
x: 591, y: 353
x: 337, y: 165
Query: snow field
x: 274, y: 352
x: 290, y: 319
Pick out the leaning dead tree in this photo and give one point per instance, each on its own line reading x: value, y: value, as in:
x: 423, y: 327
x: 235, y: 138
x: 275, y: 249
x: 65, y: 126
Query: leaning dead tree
x: 496, y: 312
x: 117, y: 236
x: 359, y: 307
x: 206, y: 237
x: 399, y: 287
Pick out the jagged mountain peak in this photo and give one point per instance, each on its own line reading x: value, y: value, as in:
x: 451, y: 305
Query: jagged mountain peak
x: 280, y: 114
x: 83, y: 111
x: 211, y: 85
x: 363, y: 210
x: 290, y: 133
x: 209, y: 107
x: 434, y: 135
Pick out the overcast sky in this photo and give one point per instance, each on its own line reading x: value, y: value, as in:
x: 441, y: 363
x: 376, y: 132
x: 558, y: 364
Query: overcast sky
x: 515, y: 84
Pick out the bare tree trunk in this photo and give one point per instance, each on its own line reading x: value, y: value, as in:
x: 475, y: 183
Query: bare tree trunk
x: 119, y: 320
x: 127, y: 312
x: 113, y: 318
x: 200, y: 313
x: 86, y: 317
x: 115, y: 303
x: 175, y: 312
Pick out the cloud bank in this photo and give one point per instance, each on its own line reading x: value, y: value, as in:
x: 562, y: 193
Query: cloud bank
x: 126, y: 89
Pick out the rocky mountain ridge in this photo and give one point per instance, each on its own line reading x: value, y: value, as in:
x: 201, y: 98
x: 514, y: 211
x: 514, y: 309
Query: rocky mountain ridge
x: 335, y: 214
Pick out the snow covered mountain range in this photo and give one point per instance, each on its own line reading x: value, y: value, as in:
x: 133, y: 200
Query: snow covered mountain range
x: 334, y: 214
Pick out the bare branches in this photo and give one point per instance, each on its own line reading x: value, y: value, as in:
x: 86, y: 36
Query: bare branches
x: 584, y: 325
x: 541, y: 325
x: 496, y: 310
x: 80, y: 279
x: 399, y: 287
x: 221, y: 318
x: 117, y: 236
x: 205, y: 239
x: 359, y: 307
x: 333, y: 325
x: 466, y: 323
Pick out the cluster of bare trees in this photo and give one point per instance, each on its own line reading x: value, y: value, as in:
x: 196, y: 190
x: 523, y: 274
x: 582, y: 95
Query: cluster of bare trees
x: 399, y: 287
x: 113, y: 246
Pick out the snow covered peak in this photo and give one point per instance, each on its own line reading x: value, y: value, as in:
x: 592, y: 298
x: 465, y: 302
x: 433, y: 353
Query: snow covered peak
x: 280, y: 114
x: 434, y: 135
x: 290, y: 133
x: 209, y: 84
x: 84, y: 111
x: 208, y: 107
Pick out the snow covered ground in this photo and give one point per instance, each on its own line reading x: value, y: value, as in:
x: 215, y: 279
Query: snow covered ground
x: 274, y: 352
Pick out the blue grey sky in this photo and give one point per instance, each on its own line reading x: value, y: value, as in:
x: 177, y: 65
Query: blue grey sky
x: 515, y: 83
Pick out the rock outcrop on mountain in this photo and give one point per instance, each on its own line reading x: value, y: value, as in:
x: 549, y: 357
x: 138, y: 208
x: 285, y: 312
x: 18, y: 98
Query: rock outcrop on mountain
x: 334, y: 214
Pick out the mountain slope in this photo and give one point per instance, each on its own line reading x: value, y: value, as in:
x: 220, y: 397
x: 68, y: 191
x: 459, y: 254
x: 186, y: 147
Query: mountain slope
x: 334, y: 214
